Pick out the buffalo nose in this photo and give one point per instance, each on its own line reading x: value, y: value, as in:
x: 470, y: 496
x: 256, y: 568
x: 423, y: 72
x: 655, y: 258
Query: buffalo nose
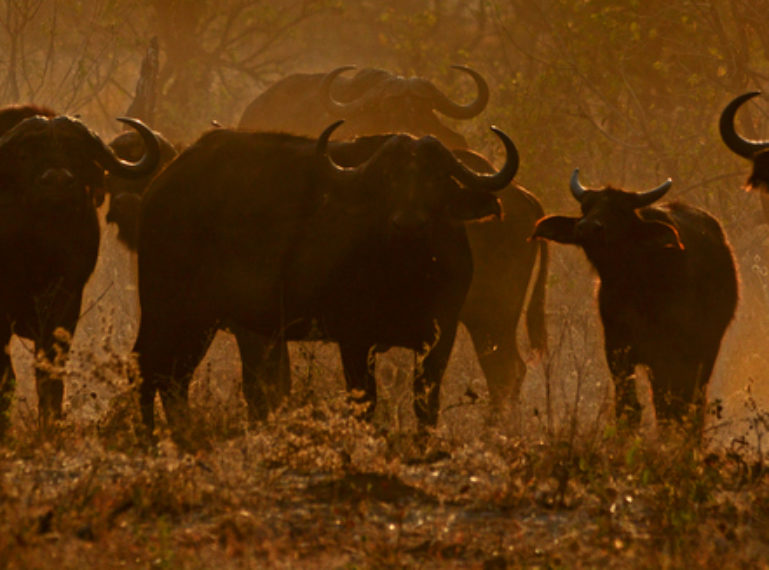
x: 57, y: 177
x: 405, y: 221
x: 589, y: 228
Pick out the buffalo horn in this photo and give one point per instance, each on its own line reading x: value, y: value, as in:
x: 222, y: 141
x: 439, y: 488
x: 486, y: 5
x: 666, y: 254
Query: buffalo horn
x: 451, y: 109
x: 321, y: 152
x: 115, y: 165
x: 334, y: 107
x: 495, y: 181
x: 650, y: 196
x: 577, y: 190
x: 737, y: 144
x: 641, y: 198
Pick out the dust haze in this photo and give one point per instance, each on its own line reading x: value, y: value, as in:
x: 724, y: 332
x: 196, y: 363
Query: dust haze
x: 629, y: 92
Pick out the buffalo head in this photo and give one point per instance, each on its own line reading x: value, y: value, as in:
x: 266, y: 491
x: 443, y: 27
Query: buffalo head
x: 610, y: 222
x: 58, y: 163
x: 377, y: 101
x: 126, y: 194
x: 424, y: 181
x: 756, y: 151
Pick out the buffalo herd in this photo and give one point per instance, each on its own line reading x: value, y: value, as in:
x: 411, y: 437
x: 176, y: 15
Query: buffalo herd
x: 343, y: 209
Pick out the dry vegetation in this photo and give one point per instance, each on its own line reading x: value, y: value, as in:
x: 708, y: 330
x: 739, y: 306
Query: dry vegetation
x: 628, y: 91
x: 314, y: 487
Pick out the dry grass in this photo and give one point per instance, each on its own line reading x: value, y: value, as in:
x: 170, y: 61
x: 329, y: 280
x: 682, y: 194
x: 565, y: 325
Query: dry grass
x: 314, y: 487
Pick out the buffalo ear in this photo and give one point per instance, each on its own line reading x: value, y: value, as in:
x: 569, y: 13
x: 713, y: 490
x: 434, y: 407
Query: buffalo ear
x: 556, y: 228
x: 474, y: 205
x: 759, y: 178
x: 662, y: 234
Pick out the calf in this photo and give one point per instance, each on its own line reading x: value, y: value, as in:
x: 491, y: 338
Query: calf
x: 668, y: 290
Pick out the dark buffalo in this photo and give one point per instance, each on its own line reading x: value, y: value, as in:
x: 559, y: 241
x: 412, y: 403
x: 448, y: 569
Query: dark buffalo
x: 125, y: 194
x: 51, y: 180
x: 405, y: 104
x: 264, y: 234
x: 755, y: 151
x: 668, y: 290
x: 374, y: 101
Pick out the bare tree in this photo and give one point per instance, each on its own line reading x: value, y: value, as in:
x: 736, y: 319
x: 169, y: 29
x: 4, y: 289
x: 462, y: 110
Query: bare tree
x: 14, y: 20
x: 215, y: 51
x: 143, y: 105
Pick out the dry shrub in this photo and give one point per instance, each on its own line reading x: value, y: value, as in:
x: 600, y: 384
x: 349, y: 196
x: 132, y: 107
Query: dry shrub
x: 326, y: 435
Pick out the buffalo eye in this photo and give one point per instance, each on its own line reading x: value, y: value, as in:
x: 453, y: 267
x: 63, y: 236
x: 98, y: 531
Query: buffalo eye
x: 587, y: 228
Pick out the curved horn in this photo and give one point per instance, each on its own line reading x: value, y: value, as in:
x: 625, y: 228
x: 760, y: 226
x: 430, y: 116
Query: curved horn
x: 495, y: 181
x: 646, y: 198
x: 737, y: 144
x: 334, y: 107
x: 146, y: 164
x: 447, y: 107
x: 577, y: 190
x: 321, y: 152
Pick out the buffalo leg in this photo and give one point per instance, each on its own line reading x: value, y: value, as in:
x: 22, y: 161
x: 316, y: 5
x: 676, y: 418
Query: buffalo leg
x: 358, y: 362
x: 668, y: 407
x: 668, y: 402
x: 502, y: 364
x: 174, y: 393
x: 59, y: 312
x: 677, y: 385
x: 505, y: 260
x: 48, y: 378
x: 7, y: 385
x: 622, y: 370
x: 167, y: 360
x: 266, y: 372
x: 428, y: 376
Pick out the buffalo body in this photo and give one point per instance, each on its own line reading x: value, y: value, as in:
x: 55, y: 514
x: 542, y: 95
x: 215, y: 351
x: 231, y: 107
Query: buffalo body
x: 51, y: 181
x: 262, y: 234
x: 668, y: 291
